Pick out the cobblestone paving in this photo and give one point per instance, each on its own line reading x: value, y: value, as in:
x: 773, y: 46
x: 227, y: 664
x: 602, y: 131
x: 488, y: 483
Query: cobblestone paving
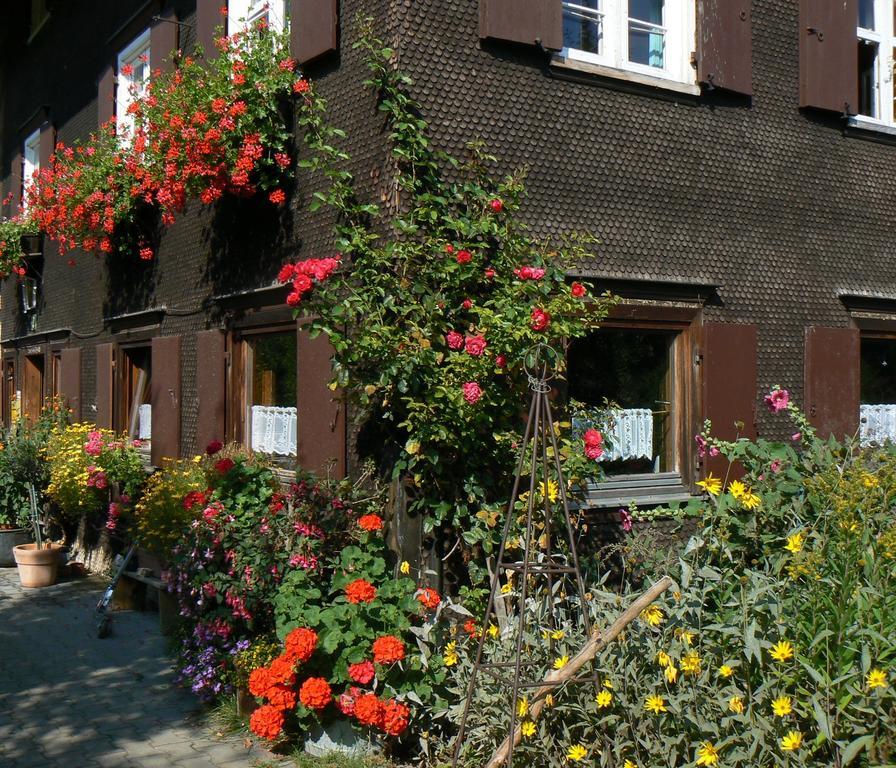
x: 70, y: 700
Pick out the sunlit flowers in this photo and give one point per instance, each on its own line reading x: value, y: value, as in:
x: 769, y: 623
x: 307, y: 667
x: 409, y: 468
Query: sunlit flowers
x: 712, y: 485
x: 528, y: 729
x: 576, y: 753
x: 671, y: 673
x: 707, y: 754
x: 795, y: 542
x: 652, y: 615
x: 655, y: 704
x: 522, y: 707
x: 725, y: 671
x: 663, y: 659
x: 782, y: 706
x: 561, y: 662
x: 736, y: 705
x: 876, y: 678
x: 450, y: 656
x: 604, y: 699
x: 781, y: 651
x: 690, y: 663
x: 792, y: 741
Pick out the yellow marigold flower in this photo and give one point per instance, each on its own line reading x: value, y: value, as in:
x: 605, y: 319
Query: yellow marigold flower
x: 604, y: 699
x: 781, y: 651
x: 561, y: 662
x: 690, y: 663
x: 522, y: 707
x: 792, y: 741
x: 712, y: 485
x: 877, y: 678
x: 405, y: 567
x: 707, y: 754
x: 736, y: 704
x: 629, y: 764
x: 652, y: 615
x: 450, y: 656
x: 737, y: 489
x: 795, y: 542
x: 782, y: 706
x: 869, y: 480
x: 576, y: 752
x: 725, y: 671
x: 506, y: 588
x: 750, y: 500
x: 663, y: 659
x: 493, y: 630
x: 528, y: 729
x: 671, y: 673
x: 655, y: 704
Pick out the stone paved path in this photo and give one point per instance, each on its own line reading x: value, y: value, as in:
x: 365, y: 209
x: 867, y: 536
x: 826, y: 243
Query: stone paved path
x: 70, y: 700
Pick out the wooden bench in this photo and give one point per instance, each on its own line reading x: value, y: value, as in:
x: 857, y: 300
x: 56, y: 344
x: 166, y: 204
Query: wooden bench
x: 138, y: 592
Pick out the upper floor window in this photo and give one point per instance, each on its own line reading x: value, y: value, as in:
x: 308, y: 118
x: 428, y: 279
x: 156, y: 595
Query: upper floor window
x: 244, y: 13
x: 876, y: 54
x: 30, y: 163
x: 133, y: 75
x: 652, y: 37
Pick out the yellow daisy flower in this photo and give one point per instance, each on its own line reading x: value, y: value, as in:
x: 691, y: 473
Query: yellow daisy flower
x: 690, y: 663
x: 877, y: 678
x: 795, y: 542
x: 561, y: 662
x: 576, y: 752
x: 506, y: 588
x: 782, y: 651
x: 604, y: 699
x: 663, y: 659
x: 553, y: 490
x: 549, y: 700
x: 707, y: 754
x: 405, y: 567
x: 655, y: 704
x: 652, y: 615
x: 522, y: 707
x: 736, y: 705
x: 737, y: 489
x: 528, y: 728
x: 629, y: 764
x: 450, y: 656
x: 671, y: 673
x: 792, y: 741
x: 782, y: 706
x: 685, y: 635
x: 725, y: 671
x: 712, y: 485
x: 750, y: 500
x: 608, y: 684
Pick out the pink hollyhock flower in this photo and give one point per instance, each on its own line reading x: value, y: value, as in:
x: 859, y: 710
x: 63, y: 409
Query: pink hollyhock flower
x: 475, y: 345
x: 541, y: 319
x: 775, y: 466
x: 625, y: 519
x: 472, y: 392
x: 454, y: 340
x: 496, y: 205
x: 777, y: 400
x: 701, y: 445
x: 796, y: 436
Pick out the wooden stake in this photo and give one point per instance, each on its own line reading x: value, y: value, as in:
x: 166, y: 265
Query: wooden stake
x: 596, y: 644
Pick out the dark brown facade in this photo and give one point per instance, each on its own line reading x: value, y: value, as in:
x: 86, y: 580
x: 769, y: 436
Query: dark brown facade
x: 734, y: 211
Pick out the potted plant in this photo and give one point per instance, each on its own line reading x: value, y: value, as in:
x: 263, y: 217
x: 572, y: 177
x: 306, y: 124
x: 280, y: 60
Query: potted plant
x: 13, y: 511
x: 38, y: 561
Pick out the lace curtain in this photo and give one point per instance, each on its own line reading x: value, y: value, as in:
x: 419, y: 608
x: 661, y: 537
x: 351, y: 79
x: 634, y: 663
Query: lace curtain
x: 274, y: 430
x: 144, y: 422
x: 877, y: 423
x: 631, y: 437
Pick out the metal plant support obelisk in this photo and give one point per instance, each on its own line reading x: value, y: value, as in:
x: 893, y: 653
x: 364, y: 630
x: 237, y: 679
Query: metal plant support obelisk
x: 538, y: 559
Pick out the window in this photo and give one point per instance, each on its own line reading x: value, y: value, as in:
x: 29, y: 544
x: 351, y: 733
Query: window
x: 263, y: 392
x: 133, y: 412
x: 30, y: 164
x: 876, y: 53
x: 133, y: 75
x: 652, y: 37
x: 877, y: 388
x: 244, y: 13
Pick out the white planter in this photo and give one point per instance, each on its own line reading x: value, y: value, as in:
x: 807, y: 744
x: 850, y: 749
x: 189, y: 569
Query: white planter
x: 338, y: 736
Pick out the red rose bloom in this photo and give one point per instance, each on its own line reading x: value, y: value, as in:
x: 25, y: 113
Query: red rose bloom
x: 224, y: 466
x: 213, y: 447
x: 429, y: 598
x: 315, y: 693
x: 501, y: 361
x: 282, y: 697
x: 362, y: 672
x: 464, y: 257
x: 541, y: 319
x: 371, y: 523
x: 475, y: 345
x: 369, y: 710
x: 395, y: 717
x: 489, y: 273
x: 282, y: 670
x: 260, y: 681
x: 466, y: 304
x: 360, y: 591
x: 449, y: 248
x: 267, y: 722
x: 300, y: 644
x: 578, y: 290
x: 496, y: 205
x: 388, y: 649
x: 194, y: 499
x: 593, y: 437
x: 472, y: 392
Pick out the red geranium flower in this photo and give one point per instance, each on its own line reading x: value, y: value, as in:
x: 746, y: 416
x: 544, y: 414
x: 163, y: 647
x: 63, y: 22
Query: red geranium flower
x: 315, y: 693
x: 360, y: 591
x: 267, y: 722
x: 541, y: 319
x: 260, y: 681
x: 194, y: 499
x: 395, y: 717
x: 429, y: 598
x: 362, y: 672
x: 300, y: 644
x: 223, y: 466
x: 282, y: 696
x: 282, y: 670
x: 371, y: 523
x: 300, y: 86
x: 277, y: 197
x: 369, y: 710
x: 388, y: 649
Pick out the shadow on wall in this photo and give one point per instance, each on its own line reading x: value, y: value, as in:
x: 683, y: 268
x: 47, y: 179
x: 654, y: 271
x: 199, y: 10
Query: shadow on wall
x: 131, y: 284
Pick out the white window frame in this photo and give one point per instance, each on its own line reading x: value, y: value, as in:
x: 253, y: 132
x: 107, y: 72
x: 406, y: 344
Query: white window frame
x: 30, y: 163
x: 884, y: 37
x: 131, y: 55
x: 241, y: 14
x: 678, y: 24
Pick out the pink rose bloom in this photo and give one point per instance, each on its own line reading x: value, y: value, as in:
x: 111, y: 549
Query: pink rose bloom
x: 777, y: 400
x: 529, y: 273
x: 593, y: 437
x: 475, y: 345
x: 454, y: 340
x: 541, y: 319
x: 472, y: 392
x: 594, y: 452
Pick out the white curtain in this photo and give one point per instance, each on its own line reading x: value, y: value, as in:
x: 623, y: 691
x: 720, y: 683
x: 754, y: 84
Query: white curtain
x: 632, y: 436
x: 274, y: 430
x: 144, y: 429
x: 877, y: 423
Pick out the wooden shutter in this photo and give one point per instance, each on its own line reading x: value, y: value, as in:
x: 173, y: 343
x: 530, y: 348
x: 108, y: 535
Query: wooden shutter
x: 320, y: 411
x: 163, y: 41
x: 522, y: 21
x: 313, y: 26
x: 831, y: 377
x: 15, y: 183
x: 725, y: 45
x: 165, y: 398
x: 729, y: 384
x: 210, y: 387
x: 105, y: 364
x: 208, y: 19
x: 105, y: 103
x: 828, y: 60
x: 70, y: 381
x: 47, y: 144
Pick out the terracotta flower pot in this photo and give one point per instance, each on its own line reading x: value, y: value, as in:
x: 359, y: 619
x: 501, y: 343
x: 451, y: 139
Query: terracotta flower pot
x: 37, y: 567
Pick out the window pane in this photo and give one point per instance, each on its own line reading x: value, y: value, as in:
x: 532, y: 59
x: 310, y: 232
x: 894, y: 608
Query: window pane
x: 866, y: 14
x: 878, y: 376
x: 583, y: 26
x: 274, y: 370
x: 646, y: 38
x: 867, y: 79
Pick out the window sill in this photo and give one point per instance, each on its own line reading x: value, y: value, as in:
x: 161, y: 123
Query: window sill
x: 642, y: 490
x: 868, y: 128
x: 619, y: 78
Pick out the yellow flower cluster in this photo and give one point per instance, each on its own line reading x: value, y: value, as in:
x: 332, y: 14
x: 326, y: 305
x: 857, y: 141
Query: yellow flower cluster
x: 68, y: 470
x: 161, y: 514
